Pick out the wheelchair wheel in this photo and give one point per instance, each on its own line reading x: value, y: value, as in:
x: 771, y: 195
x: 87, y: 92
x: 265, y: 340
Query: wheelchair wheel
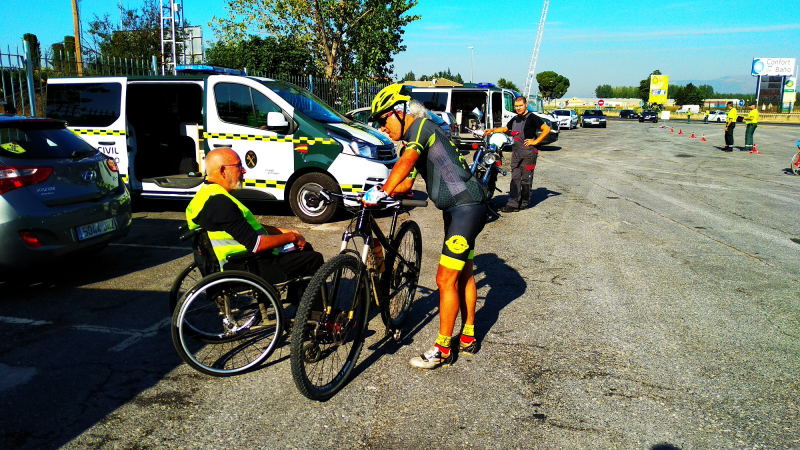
x: 329, y: 328
x: 228, y: 323
x: 399, y: 280
x: 188, y: 277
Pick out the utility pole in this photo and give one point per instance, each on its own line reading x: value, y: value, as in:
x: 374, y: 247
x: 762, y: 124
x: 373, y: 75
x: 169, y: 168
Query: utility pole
x: 77, y: 22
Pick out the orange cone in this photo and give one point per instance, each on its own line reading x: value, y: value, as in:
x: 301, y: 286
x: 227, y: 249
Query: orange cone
x: 680, y: 132
x: 671, y: 129
x: 703, y: 139
x: 754, y: 151
x: 693, y: 137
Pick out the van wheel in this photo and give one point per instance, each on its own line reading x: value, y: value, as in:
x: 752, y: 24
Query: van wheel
x: 306, y: 202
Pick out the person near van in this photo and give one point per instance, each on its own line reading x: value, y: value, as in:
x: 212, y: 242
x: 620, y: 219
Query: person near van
x: 527, y: 124
x: 454, y: 190
x: 705, y: 117
x: 233, y: 229
x: 689, y: 116
x: 730, y: 124
x: 752, y: 123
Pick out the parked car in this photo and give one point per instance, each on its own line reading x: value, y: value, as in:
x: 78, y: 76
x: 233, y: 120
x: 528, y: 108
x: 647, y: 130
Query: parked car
x: 362, y: 115
x: 567, y: 118
x: 628, y: 114
x: 593, y: 118
x: 717, y: 116
x: 58, y: 194
x: 649, y: 115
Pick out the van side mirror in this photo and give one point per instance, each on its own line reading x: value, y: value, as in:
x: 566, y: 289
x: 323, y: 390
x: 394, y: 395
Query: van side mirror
x: 276, y: 121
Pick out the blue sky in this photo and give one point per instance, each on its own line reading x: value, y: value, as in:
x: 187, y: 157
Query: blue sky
x: 591, y: 43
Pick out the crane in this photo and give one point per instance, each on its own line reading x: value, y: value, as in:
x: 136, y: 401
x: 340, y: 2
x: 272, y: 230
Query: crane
x: 532, y: 70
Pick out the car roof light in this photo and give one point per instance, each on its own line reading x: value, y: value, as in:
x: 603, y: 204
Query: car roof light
x: 30, y: 239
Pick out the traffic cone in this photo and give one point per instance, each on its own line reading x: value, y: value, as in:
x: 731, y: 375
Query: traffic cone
x: 693, y: 137
x: 671, y: 129
x: 680, y: 132
x: 754, y: 151
x: 703, y: 139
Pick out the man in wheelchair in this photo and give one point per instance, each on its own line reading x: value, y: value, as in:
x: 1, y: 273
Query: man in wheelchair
x: 281, y: 254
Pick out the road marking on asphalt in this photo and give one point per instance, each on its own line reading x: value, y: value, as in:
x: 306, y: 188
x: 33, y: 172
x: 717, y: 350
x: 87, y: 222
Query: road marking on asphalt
x: 163, y: 247
x: 134, y: 336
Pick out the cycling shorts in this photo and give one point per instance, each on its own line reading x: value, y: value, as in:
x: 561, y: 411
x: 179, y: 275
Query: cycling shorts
x: 462, y: 224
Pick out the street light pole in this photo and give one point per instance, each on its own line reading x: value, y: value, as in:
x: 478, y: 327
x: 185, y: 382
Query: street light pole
x: 472, y: 67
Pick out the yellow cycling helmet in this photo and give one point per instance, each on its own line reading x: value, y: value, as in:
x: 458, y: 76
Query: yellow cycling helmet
x: 387, y: 98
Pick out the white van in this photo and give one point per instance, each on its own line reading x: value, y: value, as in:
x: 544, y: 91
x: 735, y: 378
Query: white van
x: 159, y: 130
x: 495, y: 104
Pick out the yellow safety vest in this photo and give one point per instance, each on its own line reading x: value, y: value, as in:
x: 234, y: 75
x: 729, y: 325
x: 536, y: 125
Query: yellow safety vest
x: 732, y: 114
x: 753, y: 116
x: 223, y: 243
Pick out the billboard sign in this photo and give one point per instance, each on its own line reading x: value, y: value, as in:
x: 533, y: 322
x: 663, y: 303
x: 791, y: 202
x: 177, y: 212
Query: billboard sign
x: 658, y: 89
x: 773, y: 67
x: 790, y: 90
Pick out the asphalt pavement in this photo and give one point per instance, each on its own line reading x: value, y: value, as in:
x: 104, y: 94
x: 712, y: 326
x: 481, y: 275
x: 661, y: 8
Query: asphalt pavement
x: 648, y: 298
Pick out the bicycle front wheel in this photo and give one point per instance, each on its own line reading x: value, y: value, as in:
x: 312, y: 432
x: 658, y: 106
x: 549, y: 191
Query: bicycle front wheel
x: 227, y: 324
x: 796, y: 164
x: 188, y: 277
x: 329, y: 328
x: 399, y: 279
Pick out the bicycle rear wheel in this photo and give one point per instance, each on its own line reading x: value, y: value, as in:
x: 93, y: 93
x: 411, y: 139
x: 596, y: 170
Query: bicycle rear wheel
x: 329, y: 327
x: 796, y: 164
x: 227, y: 323
x: 188, y: 277
x: 400, y: 278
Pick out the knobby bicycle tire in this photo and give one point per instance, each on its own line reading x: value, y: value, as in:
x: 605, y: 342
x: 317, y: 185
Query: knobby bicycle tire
x: 228, y: 323
x: 188, y: 277
x: 325, y: 343
x: 399, y: 281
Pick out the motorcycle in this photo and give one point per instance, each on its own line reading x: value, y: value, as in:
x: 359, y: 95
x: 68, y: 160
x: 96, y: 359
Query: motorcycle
x: 488, y: 156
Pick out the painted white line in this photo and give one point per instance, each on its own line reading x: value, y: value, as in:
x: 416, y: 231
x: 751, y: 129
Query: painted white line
x: 133, y: 335
x: 23, y: 321
x: 163, y: 247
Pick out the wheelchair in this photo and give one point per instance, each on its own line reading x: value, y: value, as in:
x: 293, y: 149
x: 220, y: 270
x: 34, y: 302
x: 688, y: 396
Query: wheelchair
x: 225, y: 322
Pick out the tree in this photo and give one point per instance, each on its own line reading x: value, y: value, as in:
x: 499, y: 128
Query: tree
x: 269, y: 56
x: 552, y: 85
x: 409, y: 77
x: 644, y: 87
x: 139, y: 37
x: 357, y: 38
x: 36, y: 49
x: 689, y: 95
x: 503, y: 83
x: 604, y: 91
x: 447, y: 75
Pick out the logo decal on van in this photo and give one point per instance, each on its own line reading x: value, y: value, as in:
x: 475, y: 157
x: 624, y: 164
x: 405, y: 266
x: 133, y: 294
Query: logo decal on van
x: 302, y: 148
x: 250, y: 159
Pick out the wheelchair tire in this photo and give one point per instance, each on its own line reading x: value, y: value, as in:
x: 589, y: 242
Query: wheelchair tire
x: 228, y: 323
x: 188, y: 277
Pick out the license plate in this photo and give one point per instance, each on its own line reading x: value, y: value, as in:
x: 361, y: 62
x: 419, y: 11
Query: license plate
x: 96, y: 229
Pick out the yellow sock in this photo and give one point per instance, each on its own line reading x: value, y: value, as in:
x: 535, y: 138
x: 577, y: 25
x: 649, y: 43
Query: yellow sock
x: 468, y: 330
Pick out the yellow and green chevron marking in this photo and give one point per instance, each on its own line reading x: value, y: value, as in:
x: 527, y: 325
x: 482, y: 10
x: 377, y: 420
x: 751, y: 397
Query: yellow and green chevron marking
x: 351, y: 187
x: 80, y: 131
x: 265, y: 184
x: 251, y: 137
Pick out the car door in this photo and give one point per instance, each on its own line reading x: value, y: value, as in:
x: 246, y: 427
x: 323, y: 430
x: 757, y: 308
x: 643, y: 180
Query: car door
x: 94, y: 110
x: 508, y: 107
x: 237, y: 108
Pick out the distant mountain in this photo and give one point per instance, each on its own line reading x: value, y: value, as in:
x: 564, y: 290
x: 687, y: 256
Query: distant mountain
x: 733, y: 84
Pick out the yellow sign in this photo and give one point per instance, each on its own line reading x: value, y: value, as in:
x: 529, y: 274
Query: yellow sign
x: 658, y: 89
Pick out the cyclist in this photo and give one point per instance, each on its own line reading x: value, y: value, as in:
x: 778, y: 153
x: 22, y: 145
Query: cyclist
x: 453, y: 190
x: 232, y: 228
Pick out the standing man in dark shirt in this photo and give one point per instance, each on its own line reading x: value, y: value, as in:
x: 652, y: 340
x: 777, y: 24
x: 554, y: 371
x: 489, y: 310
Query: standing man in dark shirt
x: 524, y: 152
x: 232, y: 228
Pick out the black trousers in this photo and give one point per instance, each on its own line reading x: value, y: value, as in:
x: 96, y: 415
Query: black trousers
x: 520, y: 192
x: 285, y: 266
x: 729, y: 134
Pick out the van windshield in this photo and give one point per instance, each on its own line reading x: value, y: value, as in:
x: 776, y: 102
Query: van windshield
x: 307, y: 103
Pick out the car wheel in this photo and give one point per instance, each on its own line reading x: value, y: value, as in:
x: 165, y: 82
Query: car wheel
x: 603, y: 126
x: 306, y: 202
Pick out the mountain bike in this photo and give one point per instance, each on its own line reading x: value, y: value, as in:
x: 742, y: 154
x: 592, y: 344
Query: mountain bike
x: 332, y: 317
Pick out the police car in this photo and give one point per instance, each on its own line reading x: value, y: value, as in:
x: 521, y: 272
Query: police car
x: 159, y: 129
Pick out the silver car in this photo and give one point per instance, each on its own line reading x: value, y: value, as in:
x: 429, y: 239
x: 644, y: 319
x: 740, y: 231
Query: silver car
x: 58, y: 195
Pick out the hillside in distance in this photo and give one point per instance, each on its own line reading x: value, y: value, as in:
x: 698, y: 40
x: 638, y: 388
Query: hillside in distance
x: 732, y: 84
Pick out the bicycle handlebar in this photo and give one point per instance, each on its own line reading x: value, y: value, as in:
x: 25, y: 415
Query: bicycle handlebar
x: 386, y: 202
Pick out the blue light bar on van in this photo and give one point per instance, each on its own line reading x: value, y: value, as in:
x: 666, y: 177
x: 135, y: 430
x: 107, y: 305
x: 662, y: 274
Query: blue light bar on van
x: 485, y: 85
x: 206, y: 69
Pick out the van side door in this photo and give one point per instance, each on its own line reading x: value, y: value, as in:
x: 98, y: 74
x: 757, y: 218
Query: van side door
x: 94, y: 110
x: 508, y: 107
x: 236, y: 116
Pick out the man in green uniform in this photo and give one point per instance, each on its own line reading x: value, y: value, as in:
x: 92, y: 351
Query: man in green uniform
x: 752, y: 123
x: 730, y: 124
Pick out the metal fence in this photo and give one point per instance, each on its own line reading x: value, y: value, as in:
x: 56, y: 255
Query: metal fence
x: 24, y: 79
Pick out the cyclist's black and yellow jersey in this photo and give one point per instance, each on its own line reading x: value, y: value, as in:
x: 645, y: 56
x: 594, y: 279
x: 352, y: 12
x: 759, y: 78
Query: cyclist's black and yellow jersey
x: 442, y: 166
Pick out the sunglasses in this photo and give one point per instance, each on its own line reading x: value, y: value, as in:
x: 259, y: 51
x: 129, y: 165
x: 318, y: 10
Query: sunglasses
x: 238, y: 165
x: 381, y: 121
